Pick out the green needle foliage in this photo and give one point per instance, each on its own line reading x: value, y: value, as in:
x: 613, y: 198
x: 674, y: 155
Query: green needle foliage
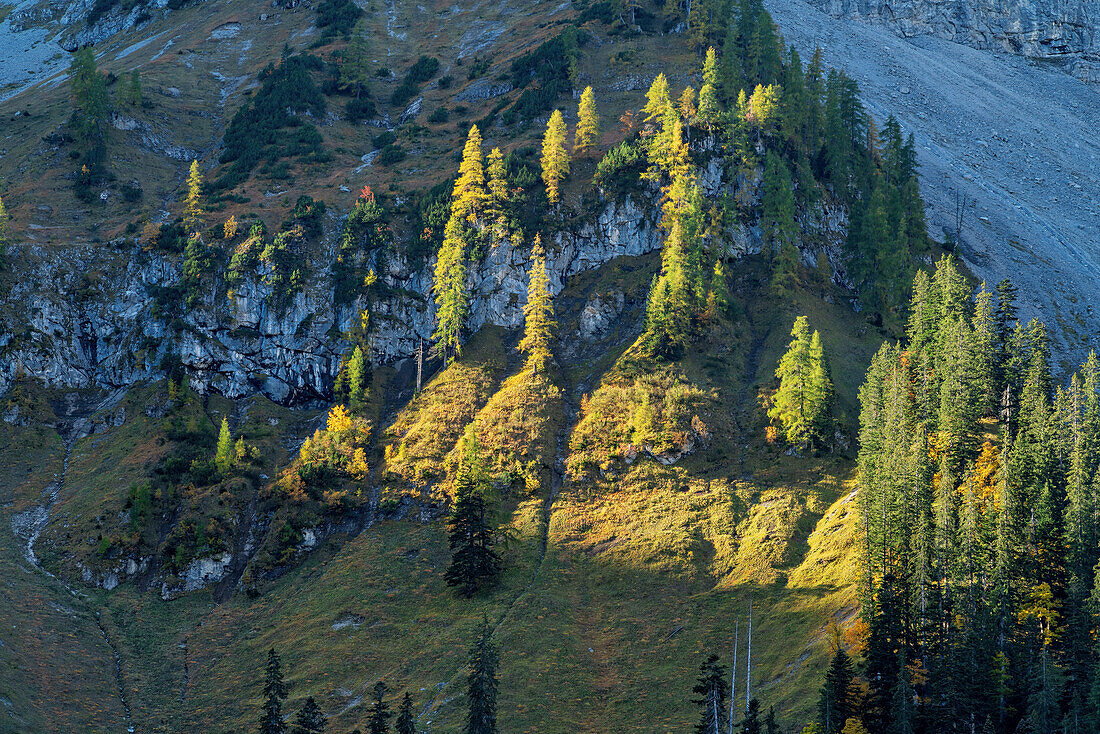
x: 801, y: 405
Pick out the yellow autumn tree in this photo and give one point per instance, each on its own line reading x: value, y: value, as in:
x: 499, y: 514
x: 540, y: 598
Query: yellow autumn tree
x: 538, y: 312
x: 469, y: 191
x: 192, y: 205
x: 555, y: 158
x: 588, y: 124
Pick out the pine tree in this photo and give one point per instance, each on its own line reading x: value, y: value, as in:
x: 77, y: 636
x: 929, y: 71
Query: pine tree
x: 712, y: 689
x: 538, y: 313
x: 709, y: 109
x: 311, y: 720
x: 452, y: 300
x: 192, y: 207
x: 474, y: 563
x: 481, y: 684
x: 406, y: 722
x: 223, y: 458
x: 378, y: 721
x: 271, y: 721
x: 555, y: 158
x: 802, y: 401
x: 587, y: 133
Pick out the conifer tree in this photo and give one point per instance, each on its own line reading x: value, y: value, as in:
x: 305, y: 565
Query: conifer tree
x: 587, y: 133
x: 223, y: 458
x: 709, y: 109
x: 498, y: 184
x: 711, y: 690
x: 670, y: 306
x: 802, y: 401
x: 474, y: 563
x: 835, y: 704
x: 481, y: 684
x: 406, y: 722
x: 310, y: 720
x: 356, y: 378
x: 379, y: 714
x: 718, y: 295
x: 658, y: 103
x: 5, y: 232
x: 751, y: 723
x: 555, y: 158
x: 538, y: 312
x: 451, y: 292
x: 89, y: 93
x: 271, y: 721
x: 777, y: 220
x: 192, y: 207
x: 355, y: 60
x: 469, y: 195
x: 771, y: 724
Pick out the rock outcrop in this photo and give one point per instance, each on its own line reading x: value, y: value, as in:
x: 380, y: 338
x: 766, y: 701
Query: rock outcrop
x: 95, y: 315
x: 1065, y: 31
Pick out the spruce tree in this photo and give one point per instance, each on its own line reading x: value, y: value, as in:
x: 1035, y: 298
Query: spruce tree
x: 406, y: 722
x: 310, y: 720
x: 709, y: 110
x: 771, y: 724
x: 555, y: 158
x: 751, y: 723
x: 224, y: 456
x: 271, y: 721
x: 711, y: 689
x: 192, y: 207
x: 378, y: 721
x: 587, y: 133
x: 835, y: 704
x: 474, y: 563
x: 481, y: 684
x: 538, y: 313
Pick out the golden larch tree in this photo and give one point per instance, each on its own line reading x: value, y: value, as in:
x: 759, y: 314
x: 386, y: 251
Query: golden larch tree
x: 192, y: 205
x: 555, y: 158
x: 588, y: 124
x: 538, y: 312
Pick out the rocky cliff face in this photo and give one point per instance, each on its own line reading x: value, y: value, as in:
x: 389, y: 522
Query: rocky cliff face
x: 1066, y: 31
x: 91, y: 317
x: 88, y: 316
